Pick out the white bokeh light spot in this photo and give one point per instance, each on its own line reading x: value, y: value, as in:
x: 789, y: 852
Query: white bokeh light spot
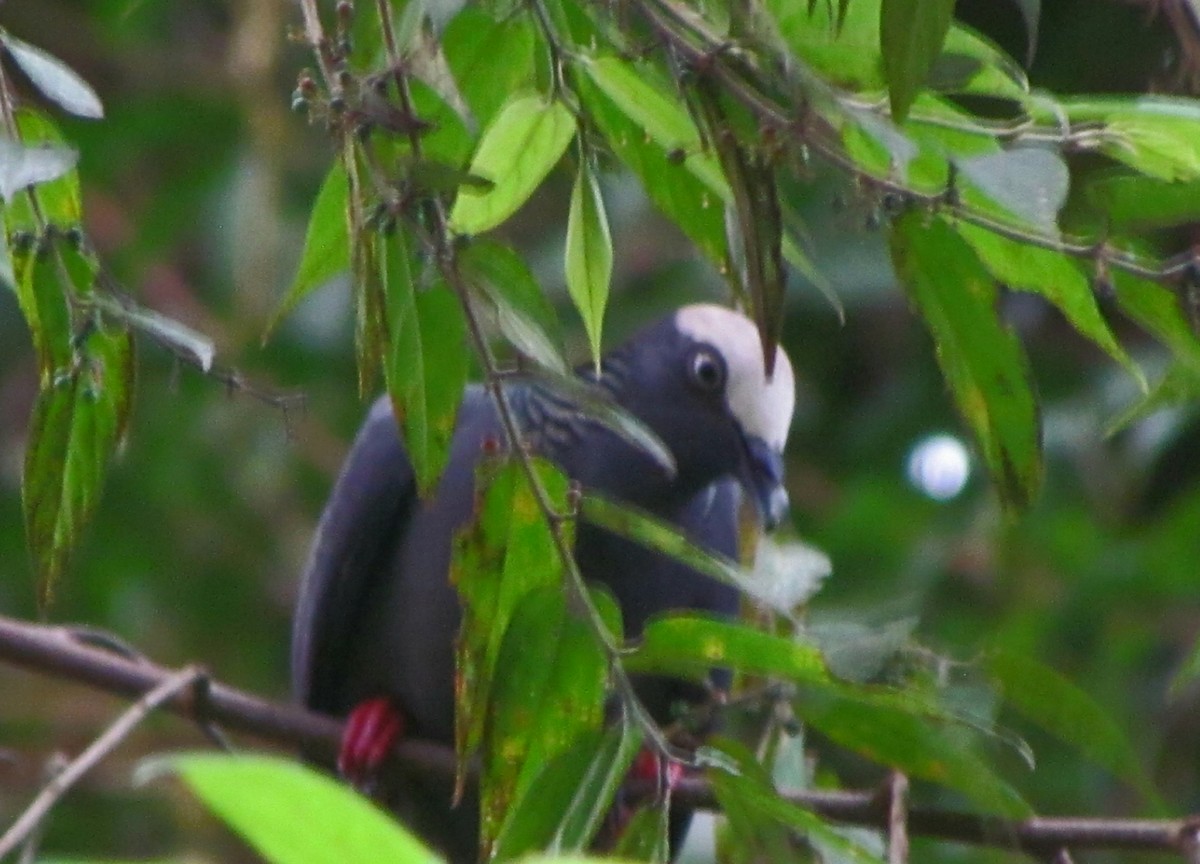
x: 939, y: 466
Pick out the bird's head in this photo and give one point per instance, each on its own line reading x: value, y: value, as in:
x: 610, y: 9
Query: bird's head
x: 697, y: 378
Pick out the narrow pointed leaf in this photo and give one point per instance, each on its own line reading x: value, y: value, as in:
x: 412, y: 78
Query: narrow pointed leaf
x: 77, y: 422
x: 912, y: 33
x: 42, y: 298
x: 645, y: 838
x: 173, y: 335
x: 426, y: 364
x: 589, y: 257
x: 1065, y: 711
x: 666, y: 538
x: 980, y: 357
x: 505, y: 553
x: 567, y: 800
x: 55, y: 79
x: 691, y: 644
x: 326, y: 244
x: 523, y: 314
x: 547, y: 690
x: 291, y: 814
x: 523, y: 142
x: 887, y: 729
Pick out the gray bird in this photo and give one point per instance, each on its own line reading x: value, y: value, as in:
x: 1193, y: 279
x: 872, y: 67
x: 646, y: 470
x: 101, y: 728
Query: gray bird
x: 376, y: 618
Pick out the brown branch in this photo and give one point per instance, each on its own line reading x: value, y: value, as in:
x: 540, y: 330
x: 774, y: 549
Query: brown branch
x: 66, y: 653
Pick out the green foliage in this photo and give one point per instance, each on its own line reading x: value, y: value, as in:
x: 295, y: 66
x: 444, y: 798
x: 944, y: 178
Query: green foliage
x: 732, y: 134
x: 290, y: 813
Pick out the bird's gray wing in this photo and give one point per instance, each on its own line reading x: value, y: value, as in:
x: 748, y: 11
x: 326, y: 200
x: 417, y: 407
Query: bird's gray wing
x: 370, y: 502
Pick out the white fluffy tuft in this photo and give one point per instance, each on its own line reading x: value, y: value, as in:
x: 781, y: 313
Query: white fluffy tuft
x: 762, y: 407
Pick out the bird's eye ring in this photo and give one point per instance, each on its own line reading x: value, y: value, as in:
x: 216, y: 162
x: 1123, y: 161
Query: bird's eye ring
x: 707, y: 371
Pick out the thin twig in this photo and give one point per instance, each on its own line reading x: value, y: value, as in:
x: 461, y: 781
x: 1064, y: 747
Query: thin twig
x: 112, y: 738
x: 897, y: 829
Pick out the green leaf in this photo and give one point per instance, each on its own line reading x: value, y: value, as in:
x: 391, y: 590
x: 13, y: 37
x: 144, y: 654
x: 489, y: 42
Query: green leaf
x: 912, y: 33
x: 981, y: 359
x: 547, y: 690
x: 43, y: 300
x: 691, y: 644
x: 886, y: 729
x: 523, y: 314
x: 291, y: 814
x: 26, y: 165
x: 426, y: 363
x: 1157, y: 310
x: 645, y: 837
x: 490, y: 59
x: 77, y: 422
x: 42, y: 158
x: 1068, y: 713
x: 1025, y: 184
x: 763, y: 823
x: 326, y: 244
x: 589, y: 257
x: 666, y: 538
x: 664, y: 172
x: 1051, y: 274
x: 55, y: 79
x: 567, y: 801
x: 520, y: 146
x: 1132, y: 202
x: 1155, y: 135
x: 506, y: 552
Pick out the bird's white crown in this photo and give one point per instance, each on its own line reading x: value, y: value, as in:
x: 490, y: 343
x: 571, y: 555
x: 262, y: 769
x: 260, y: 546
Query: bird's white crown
x: 762, y: 406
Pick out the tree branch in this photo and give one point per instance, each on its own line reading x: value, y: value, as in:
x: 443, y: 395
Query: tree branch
x: 97, y: 662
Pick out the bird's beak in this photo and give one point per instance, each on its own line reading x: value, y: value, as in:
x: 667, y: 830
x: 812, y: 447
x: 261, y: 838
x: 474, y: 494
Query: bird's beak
x: 763, y: 478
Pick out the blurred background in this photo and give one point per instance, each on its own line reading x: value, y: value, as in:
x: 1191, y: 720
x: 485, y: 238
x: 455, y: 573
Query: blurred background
x: 197, y: 188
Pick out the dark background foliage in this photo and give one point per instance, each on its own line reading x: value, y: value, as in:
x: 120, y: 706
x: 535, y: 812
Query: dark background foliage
x: 197, y: 186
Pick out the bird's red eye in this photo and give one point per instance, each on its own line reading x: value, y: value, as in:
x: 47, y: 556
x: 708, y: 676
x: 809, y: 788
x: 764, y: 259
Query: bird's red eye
x: 707, y: 371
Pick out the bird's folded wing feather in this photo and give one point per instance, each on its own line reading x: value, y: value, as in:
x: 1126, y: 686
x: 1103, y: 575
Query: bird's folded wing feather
x: 361, y: 523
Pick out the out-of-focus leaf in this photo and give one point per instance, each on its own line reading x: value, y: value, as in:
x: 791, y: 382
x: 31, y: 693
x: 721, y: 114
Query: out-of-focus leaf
x: 547, y: 690
x: 25, y: 165
x: 8, y: 273
x: 1026, y: 267
x: 885, y: 728
x: 589, y: 257
x: 490, y: 59
x: 55, y: 79
x: 1157, y: 310
x: 426, y: 364
x: 1155, y: 135
x: 981, y: 358
x: 505, y: 553
x: 655, y: 111
x: 1133, y: 202
x: 77, y: 422
x: 1065, y: 711
x: 289, y: 813
x: 763, y: 822
x: 520, y: 146
x: 1180, y: 385
x: 666, y: 538
x: 664, y: 172
x: 691, y: 644
x: 645, y: 837
x: 1188, y: 672
x: 1029, y: 183
x: 564, y: 806
x: 790, y: 572
x: 523, y: 313
x: 912, y: 33
x: 1031, y: 12
x: 326, y: 244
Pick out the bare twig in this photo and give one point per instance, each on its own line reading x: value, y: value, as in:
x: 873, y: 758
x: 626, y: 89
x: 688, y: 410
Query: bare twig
x: 897, y: 828
x: 55, y: 651
x: 112, y: 737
